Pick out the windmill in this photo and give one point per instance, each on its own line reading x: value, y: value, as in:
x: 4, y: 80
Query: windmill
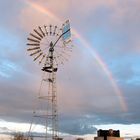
x: 50, y: 46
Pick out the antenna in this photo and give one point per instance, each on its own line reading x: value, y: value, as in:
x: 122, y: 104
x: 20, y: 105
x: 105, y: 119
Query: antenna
x: 49, y: 45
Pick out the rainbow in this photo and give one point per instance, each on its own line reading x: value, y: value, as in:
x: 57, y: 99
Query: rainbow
x: 93, y: 52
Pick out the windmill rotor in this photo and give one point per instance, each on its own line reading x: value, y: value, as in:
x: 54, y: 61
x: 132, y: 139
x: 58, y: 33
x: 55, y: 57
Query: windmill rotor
x: 39, y: 42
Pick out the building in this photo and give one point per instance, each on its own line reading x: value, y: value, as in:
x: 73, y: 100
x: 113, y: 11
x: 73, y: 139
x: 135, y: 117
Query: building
x: 108, y: 135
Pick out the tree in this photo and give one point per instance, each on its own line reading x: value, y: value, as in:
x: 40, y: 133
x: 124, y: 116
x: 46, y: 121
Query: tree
x: 20, y: 136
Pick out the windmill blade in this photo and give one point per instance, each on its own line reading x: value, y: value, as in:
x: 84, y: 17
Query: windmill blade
x: 55, y: 59
x: 65, y: 53
x: 38, y: 33
x: 35, y: 36
x: 35, y: 52
x: 62, y: 57
x: 50, y: 29
x: 45, y: 27
x: 35, y: 48
x: 41, y: 31
x: 33, y: 44
x: 54, y: 30
x: 67, y: 42
x: 59, y: 32
x: 67, y: 49
x: 64, y: 47
x: 38, y: 56
x: 42, y: 59
x: 60, y: 60
x: 30, y: 39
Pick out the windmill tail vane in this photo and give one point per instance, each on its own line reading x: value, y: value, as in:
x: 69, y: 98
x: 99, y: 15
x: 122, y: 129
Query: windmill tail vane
x: 66, y: 28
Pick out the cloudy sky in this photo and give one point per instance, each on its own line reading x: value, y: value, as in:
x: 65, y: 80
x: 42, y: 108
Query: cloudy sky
x: 99, y: 87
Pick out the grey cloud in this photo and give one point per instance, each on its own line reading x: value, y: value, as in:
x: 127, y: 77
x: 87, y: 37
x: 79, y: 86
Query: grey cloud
x: 10, y: 10
x: 77, y: 127
x: 85, y: 92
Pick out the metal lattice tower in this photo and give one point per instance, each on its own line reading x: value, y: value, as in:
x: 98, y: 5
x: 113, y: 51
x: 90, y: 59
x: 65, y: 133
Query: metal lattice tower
x: 50, y: 46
